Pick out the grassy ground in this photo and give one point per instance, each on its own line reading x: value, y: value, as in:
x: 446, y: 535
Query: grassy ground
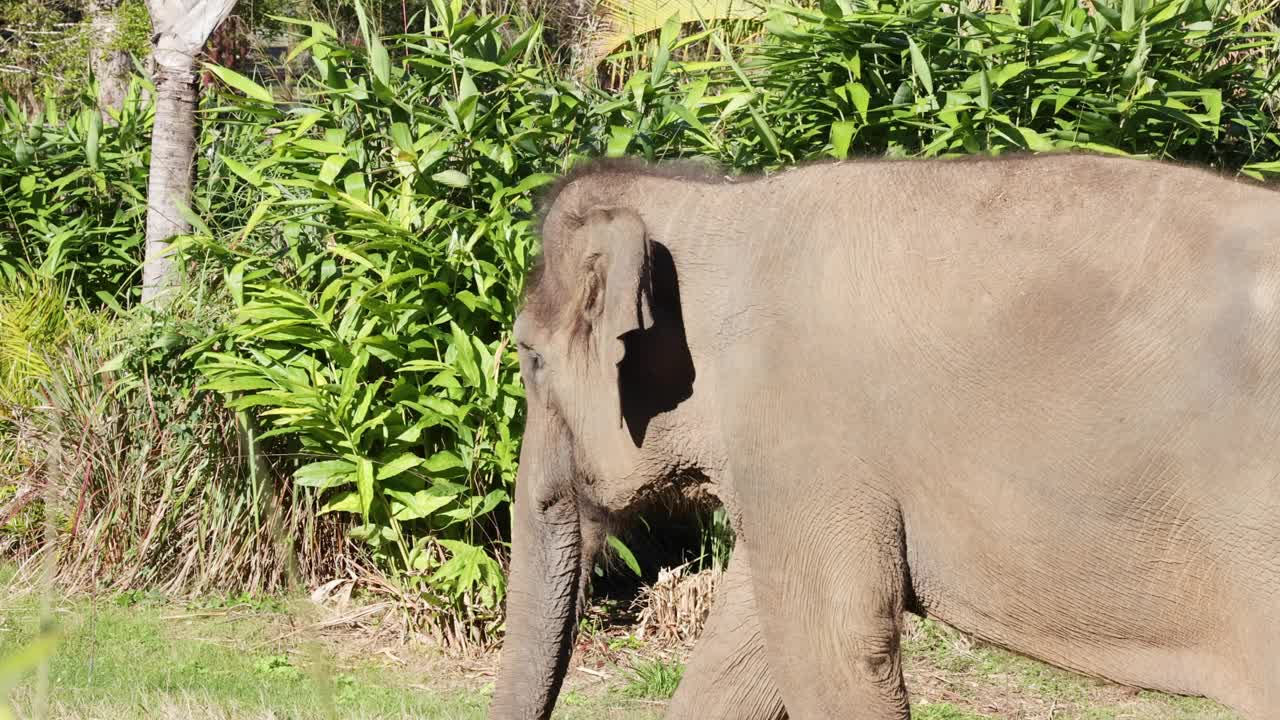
x: 134, y: 657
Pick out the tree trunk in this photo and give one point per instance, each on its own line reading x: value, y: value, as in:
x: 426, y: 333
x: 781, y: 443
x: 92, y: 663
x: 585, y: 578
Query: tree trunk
x: 181, y: 29
x: 173, y: 146
x: 110, y: 66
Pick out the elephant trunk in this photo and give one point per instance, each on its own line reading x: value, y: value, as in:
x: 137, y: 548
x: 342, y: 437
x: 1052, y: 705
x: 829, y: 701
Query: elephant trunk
x: 542, y: 595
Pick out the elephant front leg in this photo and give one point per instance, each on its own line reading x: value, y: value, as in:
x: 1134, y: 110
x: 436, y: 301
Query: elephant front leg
x: 728, y: 676
x: 829, y: 577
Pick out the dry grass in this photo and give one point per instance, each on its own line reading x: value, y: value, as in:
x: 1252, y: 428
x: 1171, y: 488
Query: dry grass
x: 675, y: 608
x: 149, y: 487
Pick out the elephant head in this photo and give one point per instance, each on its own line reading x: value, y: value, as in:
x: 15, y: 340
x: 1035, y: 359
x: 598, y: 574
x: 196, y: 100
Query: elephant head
x: 607, y: 373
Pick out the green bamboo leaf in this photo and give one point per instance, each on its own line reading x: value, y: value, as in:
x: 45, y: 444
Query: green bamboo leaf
x: 464, y: 355
x: 92, y: 134
x: 468, y: 99
x: 920, y: 67
x: 330, y: 168
x: 1108, y: 13
x: 765, y: 132
x: 444, y: 463
x: 532, y: 182
x: 380, y: 61
x: 370, y: 394
x: 378, y: 58
x: 234, y: 384
x: 860, y: 97
x: 491, y: 501
x: 355, y: 186
x: 1168, y: 11
x: 249, y: 175
x: 403, y: 463
x: 403, y: 140
x: 416, y: 505
x: 727, y: 54
x: 1005, y: 73
x: 259, y: 213
x: 347, y: 501
x: 1260, y: 170
x: 246, y: 86
x: 625, y: 553
x: 365, y: 486
x: 1130, y: 76
x: 1035, y: 140
x: 667, y: 37
x: 841, y: 134
x: 322, y: 147
x: 452, y: 178
x: 1212, y: 99
x: 620, y: 137
x: 325, y: 473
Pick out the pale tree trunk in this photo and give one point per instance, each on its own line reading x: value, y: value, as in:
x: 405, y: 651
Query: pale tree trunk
x: 110, y: 66
x: 173, y: 147
x: 181, y: 29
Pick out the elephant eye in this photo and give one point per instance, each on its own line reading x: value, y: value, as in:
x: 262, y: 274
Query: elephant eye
x: 532, y: 357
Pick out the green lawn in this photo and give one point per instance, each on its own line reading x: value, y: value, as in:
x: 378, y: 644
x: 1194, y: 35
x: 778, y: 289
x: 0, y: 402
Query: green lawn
x: 134, y: 658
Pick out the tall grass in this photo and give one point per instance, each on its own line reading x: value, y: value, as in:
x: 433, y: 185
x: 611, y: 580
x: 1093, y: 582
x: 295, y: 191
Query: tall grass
x: 148, y: 486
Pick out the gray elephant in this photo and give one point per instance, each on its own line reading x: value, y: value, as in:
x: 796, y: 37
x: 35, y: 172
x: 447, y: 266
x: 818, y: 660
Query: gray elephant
x: 1037, y: 398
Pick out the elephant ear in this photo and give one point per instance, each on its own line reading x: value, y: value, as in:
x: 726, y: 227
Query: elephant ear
x: 619, y: 294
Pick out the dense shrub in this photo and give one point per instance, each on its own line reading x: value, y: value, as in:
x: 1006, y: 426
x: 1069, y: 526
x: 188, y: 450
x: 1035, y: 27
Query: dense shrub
x: 73, y: 195
x: 1168, y: 78
x: 375, y: 282
x: 1183, y: 79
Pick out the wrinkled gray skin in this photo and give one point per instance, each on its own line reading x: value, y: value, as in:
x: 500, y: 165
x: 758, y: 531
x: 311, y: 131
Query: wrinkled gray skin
x: 1036, y: 398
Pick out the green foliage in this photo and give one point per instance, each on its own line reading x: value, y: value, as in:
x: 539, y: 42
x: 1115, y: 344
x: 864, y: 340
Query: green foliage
x: 35, y: 320
x: 620, y: 548
x: 133, y: 29
x: 44, y: 48
x: 375, y: 281
x: 943, y: 711
x: 1187, y: 80
x: 150, y: 483
x: 73, y: 195
x: 1169, y: 78
x: 277, y: 666
x: 654, y: 679
x: 717, y: 539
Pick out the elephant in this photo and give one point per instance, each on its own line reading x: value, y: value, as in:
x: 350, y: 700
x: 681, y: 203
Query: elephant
x: 1034, y: 396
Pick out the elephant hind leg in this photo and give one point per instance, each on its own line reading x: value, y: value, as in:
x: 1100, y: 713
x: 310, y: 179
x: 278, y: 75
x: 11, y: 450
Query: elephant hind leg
x: 728, y: 677
x: 1259, y: 697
